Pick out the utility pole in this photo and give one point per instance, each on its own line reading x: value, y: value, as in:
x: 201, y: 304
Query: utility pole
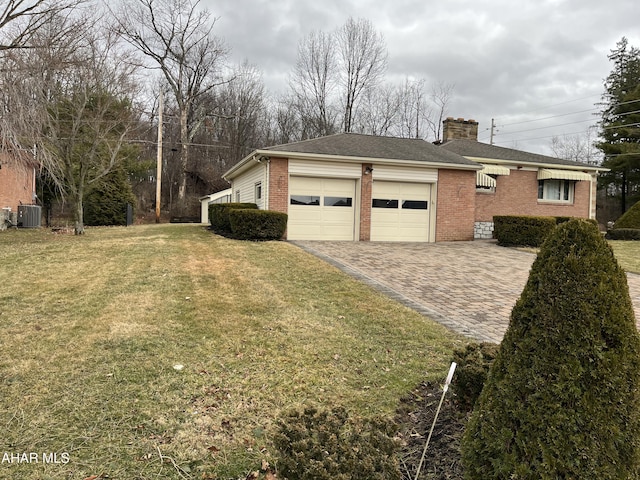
x: 493, y: 125
x: 159, y: 161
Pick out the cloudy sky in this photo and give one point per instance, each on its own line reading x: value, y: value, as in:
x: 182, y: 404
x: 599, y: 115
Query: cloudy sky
x: 535, y: 66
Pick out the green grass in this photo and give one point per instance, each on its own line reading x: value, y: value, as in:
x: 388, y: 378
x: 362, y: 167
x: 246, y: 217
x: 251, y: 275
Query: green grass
x: 92, y: 327
x: 628, y: 254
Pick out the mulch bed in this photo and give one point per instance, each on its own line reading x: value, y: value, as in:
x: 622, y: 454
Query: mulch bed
x: 415, y: 417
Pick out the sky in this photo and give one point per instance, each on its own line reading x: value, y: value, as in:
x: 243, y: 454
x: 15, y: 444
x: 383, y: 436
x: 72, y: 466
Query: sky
x: 536, y: 67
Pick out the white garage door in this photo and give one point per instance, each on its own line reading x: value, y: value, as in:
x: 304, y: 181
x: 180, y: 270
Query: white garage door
x: 400, y: 211
x: 321, y: 209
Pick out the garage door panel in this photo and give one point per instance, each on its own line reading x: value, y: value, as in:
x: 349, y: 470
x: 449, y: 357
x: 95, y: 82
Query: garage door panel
x: 400, y: 211
x: 331, y: 214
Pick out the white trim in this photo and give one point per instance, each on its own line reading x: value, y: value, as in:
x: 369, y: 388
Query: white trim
x: 404, y: 174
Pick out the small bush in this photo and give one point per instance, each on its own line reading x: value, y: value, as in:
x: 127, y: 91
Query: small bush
x: 219, y: 215
x: 630, y: 219
x: 329, y: 445
x: 522, y: 230
x: 250, y: 224
x: 624, y: 234
x: 473, y: 362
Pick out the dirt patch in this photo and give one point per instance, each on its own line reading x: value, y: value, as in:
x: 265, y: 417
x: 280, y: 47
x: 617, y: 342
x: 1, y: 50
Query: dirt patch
x: 415, y: 418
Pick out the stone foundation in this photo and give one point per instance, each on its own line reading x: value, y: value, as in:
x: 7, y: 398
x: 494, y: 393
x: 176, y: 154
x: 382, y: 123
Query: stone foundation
x: 483, y: 230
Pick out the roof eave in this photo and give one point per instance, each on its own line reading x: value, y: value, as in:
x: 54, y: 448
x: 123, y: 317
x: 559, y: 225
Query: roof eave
x: 536, y: 164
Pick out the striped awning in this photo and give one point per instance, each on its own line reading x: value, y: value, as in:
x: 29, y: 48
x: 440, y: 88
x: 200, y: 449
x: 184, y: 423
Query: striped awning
x: 495, y: 170
x: 549, y: 173
x: 484, y: 180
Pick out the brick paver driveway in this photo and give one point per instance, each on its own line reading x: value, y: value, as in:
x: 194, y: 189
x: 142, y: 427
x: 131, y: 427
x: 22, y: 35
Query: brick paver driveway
x: 470, y: 287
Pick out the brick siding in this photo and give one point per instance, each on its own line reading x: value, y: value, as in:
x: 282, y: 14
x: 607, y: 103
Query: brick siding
x: 517, y: 194
x: 365, y: 204
x: 279, y: 185
x: 17, y: 184
x: 456, y: 205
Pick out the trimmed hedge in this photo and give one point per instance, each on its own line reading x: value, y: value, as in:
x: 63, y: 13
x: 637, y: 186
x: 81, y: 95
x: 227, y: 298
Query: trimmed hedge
x: 623, y: 234
x: 562, y: 398
x: 248, y: 224
x: 526, y: 230
x: 219, y: 215
x: 473, y: 363
x: 522, y: 230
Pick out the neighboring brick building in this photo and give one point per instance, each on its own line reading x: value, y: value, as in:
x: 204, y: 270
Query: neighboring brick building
x: 369, y: 188
x: 17, y: 182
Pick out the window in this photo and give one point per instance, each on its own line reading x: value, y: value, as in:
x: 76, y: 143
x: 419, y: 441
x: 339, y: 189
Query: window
x: 384, y: 203
x: 258, y: 191
x: 237, y: 196
x: 337, y: 201
x: 305, y: 200
x: 414, y: 204
x: 556, y: 190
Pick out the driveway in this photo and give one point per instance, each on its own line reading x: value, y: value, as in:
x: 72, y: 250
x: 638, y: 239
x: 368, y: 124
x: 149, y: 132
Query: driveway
x: 470, y: 287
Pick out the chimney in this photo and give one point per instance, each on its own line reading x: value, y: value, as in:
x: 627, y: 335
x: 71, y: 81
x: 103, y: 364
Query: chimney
x: 459, y: 129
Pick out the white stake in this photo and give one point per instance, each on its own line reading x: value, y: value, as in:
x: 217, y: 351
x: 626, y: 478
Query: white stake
x: 444, y: 391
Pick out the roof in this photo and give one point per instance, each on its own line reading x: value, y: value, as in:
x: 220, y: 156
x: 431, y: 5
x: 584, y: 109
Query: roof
x: 479, y: 150
x: 359, y: 147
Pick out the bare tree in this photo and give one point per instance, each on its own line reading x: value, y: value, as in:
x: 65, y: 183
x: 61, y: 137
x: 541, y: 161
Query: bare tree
x: 440, y: 96
x: 413, y: 109
x: 379, y: 110
x: 21, y: 19
x: 313, y: 82
x: 362, y: 62
x: 579, y: 148
x: 177, y: 35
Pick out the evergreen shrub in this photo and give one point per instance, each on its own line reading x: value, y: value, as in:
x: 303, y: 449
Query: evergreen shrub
x: 219, y: 215
x: 562, y: 398
x: 248, y: 224
x: 473, y: 363
x: 107, y: 202
x: 630, y: 219
x: 522, y: 230
x: 624, y: 234
x: 331, y: 445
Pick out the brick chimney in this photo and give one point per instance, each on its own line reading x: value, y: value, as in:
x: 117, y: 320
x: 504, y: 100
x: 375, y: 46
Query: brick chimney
x: 459, y: 129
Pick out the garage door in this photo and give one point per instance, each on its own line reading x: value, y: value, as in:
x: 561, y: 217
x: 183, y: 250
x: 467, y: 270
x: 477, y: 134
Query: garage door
x: 321, y: 209
x: 400, y: 211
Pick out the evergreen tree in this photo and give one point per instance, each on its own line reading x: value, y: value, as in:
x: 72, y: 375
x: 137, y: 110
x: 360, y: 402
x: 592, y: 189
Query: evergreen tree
x: 620, y: 125
x: 107, y: 202
x: 562, y: 398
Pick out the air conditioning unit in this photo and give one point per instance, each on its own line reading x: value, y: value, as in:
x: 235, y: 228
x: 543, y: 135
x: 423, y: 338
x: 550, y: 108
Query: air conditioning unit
x: 29, y: 216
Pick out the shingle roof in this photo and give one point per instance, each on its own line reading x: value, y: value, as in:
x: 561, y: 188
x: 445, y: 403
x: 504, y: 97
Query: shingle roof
x: 369, y: 146
x: 473, y: 148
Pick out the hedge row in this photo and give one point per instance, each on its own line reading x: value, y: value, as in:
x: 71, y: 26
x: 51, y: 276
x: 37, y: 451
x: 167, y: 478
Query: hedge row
x: 623, y: 234
x: 525, y: 230
x: 245, y: 222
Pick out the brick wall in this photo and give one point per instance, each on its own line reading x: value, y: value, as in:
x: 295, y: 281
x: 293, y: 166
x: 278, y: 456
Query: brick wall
x: 279, y: 185
x: 456, y: 205
x: 517, y: 194
x: 365, y: 203
x: 17, y: 184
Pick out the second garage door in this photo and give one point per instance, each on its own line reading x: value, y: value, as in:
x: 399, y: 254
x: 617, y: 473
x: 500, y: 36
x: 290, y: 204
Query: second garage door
x: 321, y: 209
x: 400, y: 211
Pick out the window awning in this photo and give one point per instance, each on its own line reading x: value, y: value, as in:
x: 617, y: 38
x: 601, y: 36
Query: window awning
x: 548, y: 173
x: 495, y: 170
x: 484, y: 180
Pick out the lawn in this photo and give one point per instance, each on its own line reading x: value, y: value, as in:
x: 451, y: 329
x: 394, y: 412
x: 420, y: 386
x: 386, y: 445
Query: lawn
x: 164, y: 351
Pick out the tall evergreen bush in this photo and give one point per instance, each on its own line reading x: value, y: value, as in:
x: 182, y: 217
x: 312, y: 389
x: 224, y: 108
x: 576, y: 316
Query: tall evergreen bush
x: 562, y: 397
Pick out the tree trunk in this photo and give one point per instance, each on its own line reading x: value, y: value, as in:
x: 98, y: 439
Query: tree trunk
x: 79, y: 216
x: 184, y: 158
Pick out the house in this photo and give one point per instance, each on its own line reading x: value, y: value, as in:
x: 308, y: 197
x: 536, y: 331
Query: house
x: 17, y: 183
x: 361, y: 187
x: 514, y: 182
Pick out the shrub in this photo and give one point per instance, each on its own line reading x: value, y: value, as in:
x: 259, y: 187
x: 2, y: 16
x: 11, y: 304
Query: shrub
x: 624, y: 234
x: 219, y: 215
x: 330, y: 445
x: 107, y: 203
x: 630, y: 219
x: 522, y: 230
x: 562, y: 398
x: 471, y: 373
x: 257, y: 224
